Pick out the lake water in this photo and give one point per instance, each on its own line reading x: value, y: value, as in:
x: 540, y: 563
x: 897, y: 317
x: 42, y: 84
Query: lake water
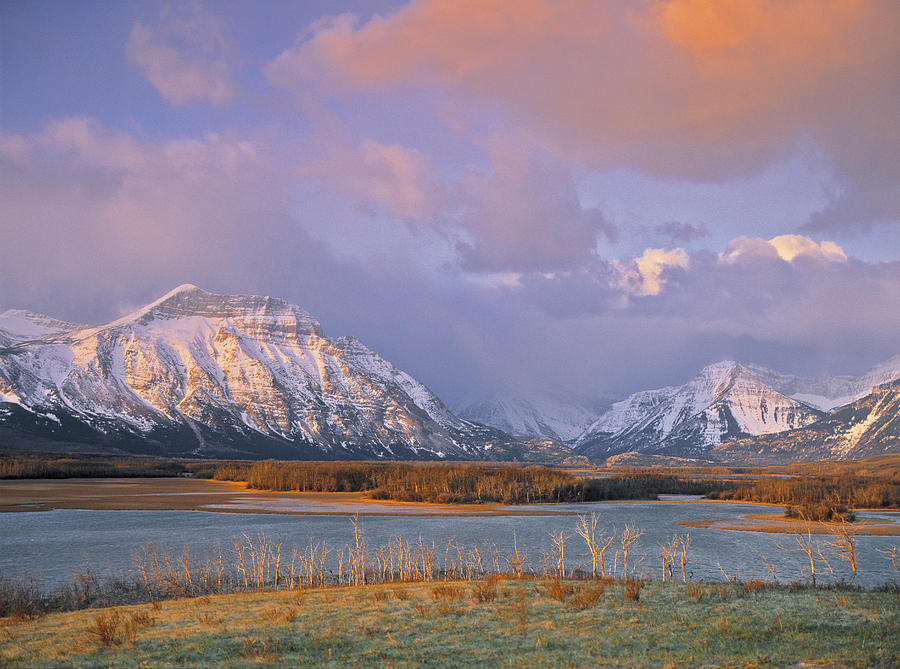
x: 49, y: 545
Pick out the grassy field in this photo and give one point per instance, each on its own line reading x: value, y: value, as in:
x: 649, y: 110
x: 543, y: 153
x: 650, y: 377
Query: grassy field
x: 505, y: 623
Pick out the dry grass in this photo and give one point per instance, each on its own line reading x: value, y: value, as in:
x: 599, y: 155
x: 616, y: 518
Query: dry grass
x: 447, y: 592
x: 587, y: 595
x: 633, y: 589
x: 485, y: 591
x: 345, y: 626
x: 696, y: 591
x: 556, y: 589
x: 114, y: 628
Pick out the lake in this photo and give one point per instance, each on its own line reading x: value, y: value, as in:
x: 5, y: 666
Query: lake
x: 49, y: 545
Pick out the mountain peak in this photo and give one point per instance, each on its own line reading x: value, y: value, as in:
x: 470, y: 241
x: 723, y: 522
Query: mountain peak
x: 721, y: 369
x: 187, y: 300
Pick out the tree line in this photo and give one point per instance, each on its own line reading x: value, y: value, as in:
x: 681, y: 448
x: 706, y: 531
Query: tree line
x: 455, y: 483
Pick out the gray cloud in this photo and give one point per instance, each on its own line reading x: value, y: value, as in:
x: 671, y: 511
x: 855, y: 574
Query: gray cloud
x: 675, y: 231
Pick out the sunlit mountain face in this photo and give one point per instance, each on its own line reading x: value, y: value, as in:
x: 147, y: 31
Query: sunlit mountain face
x: 200, y: 374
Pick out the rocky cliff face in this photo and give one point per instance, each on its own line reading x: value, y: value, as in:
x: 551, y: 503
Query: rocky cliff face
x: 201, y: 374
x: 867, y: 427
x: 723, y: 402
x: 829, y: 392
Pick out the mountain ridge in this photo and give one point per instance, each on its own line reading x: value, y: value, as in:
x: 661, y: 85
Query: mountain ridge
x: 723, y: 401
x: 204, y: 374
x: 866, y: 427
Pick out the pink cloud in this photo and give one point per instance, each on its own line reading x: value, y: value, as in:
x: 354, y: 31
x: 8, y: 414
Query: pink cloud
x: 523, y: 214
x: 697, y: 89
x: 185, y: 57
x: 391, y: 177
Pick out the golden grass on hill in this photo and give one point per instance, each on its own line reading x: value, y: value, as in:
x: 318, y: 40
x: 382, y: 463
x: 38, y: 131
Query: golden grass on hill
x: 524, y: 624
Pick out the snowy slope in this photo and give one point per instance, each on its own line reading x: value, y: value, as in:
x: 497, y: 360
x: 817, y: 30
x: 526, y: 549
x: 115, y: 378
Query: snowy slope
x: 18, y: 325
x: 546, y: 417
x: 200, y: 373
x: 866, y: 427
x: 827, y: 392
x: 724, y: 401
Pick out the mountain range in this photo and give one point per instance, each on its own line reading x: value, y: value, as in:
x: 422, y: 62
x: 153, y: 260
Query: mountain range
x: 730, y: 411
x: 204, y: 375
x: 199, y: 374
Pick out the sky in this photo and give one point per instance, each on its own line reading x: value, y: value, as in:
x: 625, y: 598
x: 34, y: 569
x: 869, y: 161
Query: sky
x: 502, y: 197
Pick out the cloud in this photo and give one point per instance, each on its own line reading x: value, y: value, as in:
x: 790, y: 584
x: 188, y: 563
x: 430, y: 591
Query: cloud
x: 786, y: 247
x: 523, y: 214
x: 84, y: 205
x: 185, y: 57
x: 97, y: 221
x: 644, y: 276
x: 681, y: 232
x: 389, y: 177
x: 686, y: 89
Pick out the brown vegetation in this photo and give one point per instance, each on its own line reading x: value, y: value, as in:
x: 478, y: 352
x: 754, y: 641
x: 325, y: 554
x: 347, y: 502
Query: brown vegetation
x: 818, y: 497
x: 455, y: 483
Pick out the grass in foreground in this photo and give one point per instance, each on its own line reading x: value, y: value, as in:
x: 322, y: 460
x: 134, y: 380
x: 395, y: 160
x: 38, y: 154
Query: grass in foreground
x: 480, y: 623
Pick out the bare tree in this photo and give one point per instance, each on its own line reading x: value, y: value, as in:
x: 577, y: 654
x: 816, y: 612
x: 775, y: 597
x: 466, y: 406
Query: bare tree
x: 843, y: 542
x: 808, y: 547
x: 629, y: 536
x: 587, y: 530
x: 559, y: 539
x: 892, y: 553
x: 683, y: 544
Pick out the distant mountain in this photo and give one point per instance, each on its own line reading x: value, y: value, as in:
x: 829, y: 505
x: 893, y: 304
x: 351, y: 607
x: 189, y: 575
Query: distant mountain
x: 725, y: 401
x: 867, y: 427
x: 827, y: 392
x: 17, y: 325
x: 226, y: 375
x: 543, y: 417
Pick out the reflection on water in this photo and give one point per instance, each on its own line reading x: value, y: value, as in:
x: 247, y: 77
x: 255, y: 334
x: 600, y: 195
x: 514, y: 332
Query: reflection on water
x: 49, y: 545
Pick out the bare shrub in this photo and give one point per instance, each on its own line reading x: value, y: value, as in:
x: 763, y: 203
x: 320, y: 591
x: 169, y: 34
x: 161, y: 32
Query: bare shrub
x: 401, y: 593
x: 755, y: 585
x: 445, y: 591
x: 821, y: 511
x: 289, y: 614
x: 138, y: 619
x: 586, y: 596
x: 485, y: 591
x: 696, y: 591
x: 267, y: 650
x: 109, y: 629
x: 633, y: 588
x: 555, y: 589
x: 209, y: 619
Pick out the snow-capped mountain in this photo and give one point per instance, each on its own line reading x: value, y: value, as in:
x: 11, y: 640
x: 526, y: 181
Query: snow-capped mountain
x: 725, y: 401
x: 866, y: 427
x: 204, y: 374
x: 828, y: 392
x: 18, y: 325
x: 545, y: 417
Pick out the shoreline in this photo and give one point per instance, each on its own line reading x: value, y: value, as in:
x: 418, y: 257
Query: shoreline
x: 212, y: 496
x: 776, y: 524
